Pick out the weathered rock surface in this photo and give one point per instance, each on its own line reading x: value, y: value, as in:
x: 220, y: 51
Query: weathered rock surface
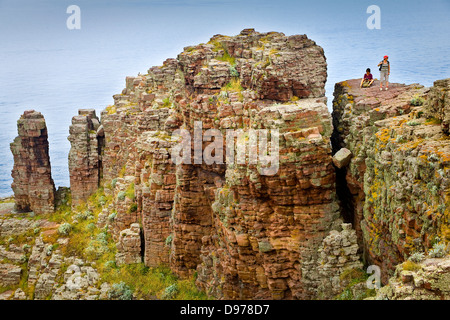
x: 438, y: 103
x: 80, y: 283
x: 430, y: 282
x: 129, y: 246
x: 9, y: 274
x: 47, y: 279
x: 19, y: 294
x: 34, y: 263
x: 233, y: 225
x: 267, y: 229
x: 124, y: 210
x: 342, y: 158
x: 11, y: 226
x: 86, y: 140
x: 33, y: 185
x: 14, y: 254
x: 253, y: 230
x: 338, y: 254
x: 157, y: 195
x: 398, y: 179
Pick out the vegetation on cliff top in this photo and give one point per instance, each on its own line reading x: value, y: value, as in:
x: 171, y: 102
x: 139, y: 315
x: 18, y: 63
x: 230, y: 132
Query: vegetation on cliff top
x: 95, y: 245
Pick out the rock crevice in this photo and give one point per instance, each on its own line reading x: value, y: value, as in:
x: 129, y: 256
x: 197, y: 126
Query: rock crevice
x: 398, y: 175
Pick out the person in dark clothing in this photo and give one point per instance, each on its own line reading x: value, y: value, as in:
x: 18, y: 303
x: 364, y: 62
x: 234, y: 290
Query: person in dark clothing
x: 367, y: 81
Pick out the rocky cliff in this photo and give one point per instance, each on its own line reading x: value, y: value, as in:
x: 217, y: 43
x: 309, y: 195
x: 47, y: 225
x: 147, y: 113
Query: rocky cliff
x: 33, y: 185
x: 233, y: 226
x: 396, y: 186
x: 274, y: 199
x: 86, y: 140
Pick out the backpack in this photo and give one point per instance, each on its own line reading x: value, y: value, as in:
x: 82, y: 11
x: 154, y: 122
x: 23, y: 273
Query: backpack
x: 381, y: 65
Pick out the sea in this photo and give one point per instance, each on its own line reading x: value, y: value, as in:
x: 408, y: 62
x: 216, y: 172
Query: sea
x: 47, y: 66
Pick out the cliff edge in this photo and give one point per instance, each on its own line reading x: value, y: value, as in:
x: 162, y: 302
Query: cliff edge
x: 396, y: 186
x: 222, y: 170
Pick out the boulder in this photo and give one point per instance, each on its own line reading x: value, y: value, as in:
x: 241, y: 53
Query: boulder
x: 342, y: 158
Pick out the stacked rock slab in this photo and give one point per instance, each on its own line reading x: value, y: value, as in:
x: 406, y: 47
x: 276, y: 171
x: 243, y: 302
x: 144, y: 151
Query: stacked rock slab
x: 246, y: 234
x: 129, y: 246
x: 267, y: 228
x: 33, y: 185
x: 156, y: 196
x: 86, y: 137
x: 338, y: 254
x: 398, y: 178
x: 9, y: 274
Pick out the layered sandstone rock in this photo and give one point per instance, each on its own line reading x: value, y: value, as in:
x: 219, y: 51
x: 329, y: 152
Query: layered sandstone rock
x: 9, y: 274
x: 248, y: 229
x: 86, y: 140
x: 123, y: 211
x: 338, y: 255
x: 438, y: 103
x: 267, y: 229
x: 33, y: 185
x: 47, y: 279
x: 129, y: 246
x: 156, y: 196
x: 247, y: 234
x: 429, y: 280
x: 342, y: 158
x: 398, y: 179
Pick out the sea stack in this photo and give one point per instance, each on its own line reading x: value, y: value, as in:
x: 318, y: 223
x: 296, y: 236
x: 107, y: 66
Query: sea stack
x: 33, y: 186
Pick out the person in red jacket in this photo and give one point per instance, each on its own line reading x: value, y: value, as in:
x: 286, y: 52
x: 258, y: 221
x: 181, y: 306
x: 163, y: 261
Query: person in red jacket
x: 367, y: 81
x: 385, y: 71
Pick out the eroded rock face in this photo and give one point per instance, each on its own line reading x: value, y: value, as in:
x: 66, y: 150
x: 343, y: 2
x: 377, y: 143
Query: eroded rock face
x: 80, y: 283
x: 9, y: 274
x: 247, y: 234
x: 338, y: 254
x: 156, y: 197
x: 277, y: 67
x: 267, y: 229
x: 33, y: 186
x: 9, y: 227
x: 429, y: 281
x: 438, y: 103
x: 86, y: 140
x: 129, y: 246
x: 398, y: 178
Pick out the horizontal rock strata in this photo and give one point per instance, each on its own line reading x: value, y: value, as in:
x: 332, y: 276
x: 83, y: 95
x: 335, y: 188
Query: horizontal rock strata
x: 398, y: 177
x: 86, y: 138
x: 235, y: 227
x: 33, y: 186
x: 429, y: 280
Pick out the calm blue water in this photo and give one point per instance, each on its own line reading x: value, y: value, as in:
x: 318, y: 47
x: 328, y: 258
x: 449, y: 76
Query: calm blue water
x: 56, y: 71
